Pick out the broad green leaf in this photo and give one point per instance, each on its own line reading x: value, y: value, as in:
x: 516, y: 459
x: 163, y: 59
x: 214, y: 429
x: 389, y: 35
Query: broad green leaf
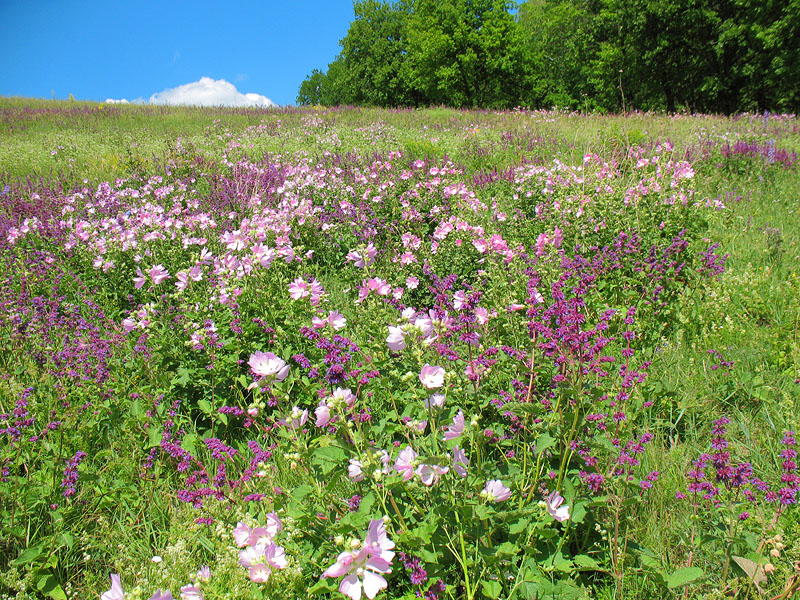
x: 29, y: 556
x: 492, y: 589
x: 684, y: 576
x: 586, y: 562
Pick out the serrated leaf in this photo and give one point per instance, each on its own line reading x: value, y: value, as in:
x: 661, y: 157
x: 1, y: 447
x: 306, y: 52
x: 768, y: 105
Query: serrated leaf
x: 328, y: 458
x: 544, y: 442
x: 519, y: 526
x: 506, y: 549
x: 684, y: 576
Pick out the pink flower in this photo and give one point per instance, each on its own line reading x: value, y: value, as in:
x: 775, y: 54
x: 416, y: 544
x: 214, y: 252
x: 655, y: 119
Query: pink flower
x: 456, y: 429
x: 158, y: 274
x: 429, y: 473
x: 162, y: 595
x: 296, y: 419
x: 139, y: 280
x: 435, y: 401
x: 334, y: 319
x: 432, y: 377
x: 397, y: 339
x: 191, y: 592
x: 364, y: 566
x: 115, y: 593
x: 203, y: 574
x: 496, y: 491
x: 363, y: 257
x: 323, y: 414
x: 558, y: 512
x: 354, y: 471
x: 405, y: 463
x: 299, y: 288
x: 460, y: 461
x: 260, y: 559
x: 266, y: 364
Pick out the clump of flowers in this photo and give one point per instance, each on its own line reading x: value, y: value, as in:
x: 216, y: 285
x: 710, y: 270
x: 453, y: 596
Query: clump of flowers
x: 365, y: 563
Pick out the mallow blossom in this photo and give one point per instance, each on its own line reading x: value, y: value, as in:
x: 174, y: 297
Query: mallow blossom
x: 267, y: 365
x: 456, y: 429
x: 554, y: 506
x: 431, y: 377
x: 496, y: 491
x: 365, y: 564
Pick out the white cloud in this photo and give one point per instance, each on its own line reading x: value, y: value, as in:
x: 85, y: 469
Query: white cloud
x: 209, y: 92
x: 113, y: 101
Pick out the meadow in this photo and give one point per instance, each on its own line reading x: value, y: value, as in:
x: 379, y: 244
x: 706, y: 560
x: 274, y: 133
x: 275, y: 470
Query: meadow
x: 351, y: 352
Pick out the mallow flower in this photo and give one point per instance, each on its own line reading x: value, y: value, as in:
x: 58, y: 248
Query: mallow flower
x: 554, y: 507
x: 267, y: 365
x: 431, y: 377
x: 496, y: 491
x: 364, y: 565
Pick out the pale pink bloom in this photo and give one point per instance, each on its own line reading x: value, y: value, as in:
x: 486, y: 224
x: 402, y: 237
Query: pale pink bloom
x: 241, y: 534
x: 557, y: 238
x: 364, y: 566
x: 334, y: 319
x: 407, y: 258
x: 459, y: 299
x: 343, y: 395
x: 299, y: 288
x: 115, y: 593
x: 429, y: 474
x: 253, y: 411
x: 425, y: 325
x: 431, y: 377
x: 162, y: 595
x: 261, y: 559
x: 296, y: 418
x: 460, y: 461
x: 435, y: 401
x: 536, y: 296
x: 203, y: 574
x: 456, y: 429
x: 363, y: 258
x: 183, y: 280
x: 266, y: 364
x: 158, y: 274
x: 515, y: 307
x: 139, y: 280
x: 496, y: 491
x: 412, y: 282
x: 128, y: 324
x: 541, y: 242
x: 196, y: 273
x: 191, y: 592
x: 554, y: 507
x: 396, y: 339
x: 323, y: 414
x: 354, y: 471
x: 405, y: 463
x: 481, y: 315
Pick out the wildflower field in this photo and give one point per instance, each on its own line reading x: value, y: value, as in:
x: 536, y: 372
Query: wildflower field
x: 350, y: 352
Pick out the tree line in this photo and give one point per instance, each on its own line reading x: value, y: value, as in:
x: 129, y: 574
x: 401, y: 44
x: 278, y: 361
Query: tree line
x: 716, y: 56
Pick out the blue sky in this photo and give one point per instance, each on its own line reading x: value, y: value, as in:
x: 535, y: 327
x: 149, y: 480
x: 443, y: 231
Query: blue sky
x: 133, y: 50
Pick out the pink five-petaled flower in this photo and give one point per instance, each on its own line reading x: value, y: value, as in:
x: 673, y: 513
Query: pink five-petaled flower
x: 158, y: 274
x: 396, y: 339
x: 334, y: 319
x: 162, y: 595
x: 558, y: 512
x: 365, y: 565
x: 429, y: 473
x: 115, y: 593
x: 405, y: 463
x: 496, y: 491
x: 431, y: 377
x: 266, y: 364
x: 259, y: 560
x: 460, y: 461
x: 139, y: 280
x: 191, y: 592
x: 456, y: 429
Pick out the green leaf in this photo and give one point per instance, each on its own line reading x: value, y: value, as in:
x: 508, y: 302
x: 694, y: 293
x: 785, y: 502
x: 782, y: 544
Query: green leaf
x: 506, y: 550
x: 328, y: 458
x: 29, y: 555
x: 684, y: 576
x: 182, y: 378
x: 544, y: 442
x: 492, y: 589
x: 48, y: 585
x: 519, y: 526
x: 586, y: 562
x: 204, y: 405
x: 324, y: 585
